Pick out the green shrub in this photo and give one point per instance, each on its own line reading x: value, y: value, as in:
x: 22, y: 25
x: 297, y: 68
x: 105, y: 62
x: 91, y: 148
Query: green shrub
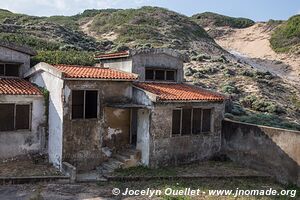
x: 190, y: 71
x: 229, y: 72
x: 199, y: 75
x: 247, y: 73
x: 64, y: 57
x: 237, y: 109
x: 230, y: 88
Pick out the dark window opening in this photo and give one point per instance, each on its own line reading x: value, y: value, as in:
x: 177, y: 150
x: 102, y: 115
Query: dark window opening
x: 149, y: 74
x: 22, y: 116
x: 1, y: 69
x: 77, y: 104
x: 197, y: 120
x: 159, y: 75
x: 170, y: 76
x: 91, y: 102
x: 84, y: 104
x: 11, y: 70
x: 206, y: 121
x: 176, y: 118
x: 14, y: 117
x: 186, y: 121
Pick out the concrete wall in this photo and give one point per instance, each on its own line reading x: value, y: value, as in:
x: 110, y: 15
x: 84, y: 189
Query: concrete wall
x: 55, y: 124
x: 156, y: 60
x: 15, y: 143
x: 83, y: 138
x: 123, y: 64
x: 275, y: 151
x: 15, y: 56
x: 166, y: 149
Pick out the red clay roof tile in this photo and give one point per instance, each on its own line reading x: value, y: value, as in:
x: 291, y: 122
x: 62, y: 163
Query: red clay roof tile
x: 76, y: 71
x: 17, y: 86
x: 179, y: 92
x: 121, y: 54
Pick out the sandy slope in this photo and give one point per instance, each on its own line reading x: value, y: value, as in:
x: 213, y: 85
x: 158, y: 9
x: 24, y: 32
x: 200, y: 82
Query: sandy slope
x: 252, y: 45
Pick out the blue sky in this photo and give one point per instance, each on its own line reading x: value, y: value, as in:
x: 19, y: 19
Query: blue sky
x: 258, y: 10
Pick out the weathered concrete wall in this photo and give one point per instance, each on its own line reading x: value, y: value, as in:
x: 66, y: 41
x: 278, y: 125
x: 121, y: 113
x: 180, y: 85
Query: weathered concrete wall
x: 166, y: 149
x: 123, y: 64
x: 156, y: 60
x: 83, y: 138
x: 15, y: 143
x: 15, y: 56
x: 275, y: 151
x: 143, y: 135
x: 54, y: 85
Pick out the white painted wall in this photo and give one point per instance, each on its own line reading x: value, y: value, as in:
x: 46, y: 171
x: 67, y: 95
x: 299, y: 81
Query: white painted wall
x: 15, y: 143
x: 55, y: 87
x: 143, y: 135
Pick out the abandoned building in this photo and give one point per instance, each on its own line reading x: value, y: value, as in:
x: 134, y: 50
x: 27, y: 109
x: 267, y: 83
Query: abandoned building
x: 132, y: 103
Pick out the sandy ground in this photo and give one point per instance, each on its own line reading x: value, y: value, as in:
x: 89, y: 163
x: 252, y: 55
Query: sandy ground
x: 252, y: 45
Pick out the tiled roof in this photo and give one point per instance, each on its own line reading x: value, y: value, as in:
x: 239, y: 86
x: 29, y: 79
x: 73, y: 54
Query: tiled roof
x: 121, y: 54
x: 76, y: 71
x: 179, y: 92
x: 17, y: 86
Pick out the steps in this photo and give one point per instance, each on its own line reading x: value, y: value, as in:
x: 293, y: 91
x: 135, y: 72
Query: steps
x: 124, y: 159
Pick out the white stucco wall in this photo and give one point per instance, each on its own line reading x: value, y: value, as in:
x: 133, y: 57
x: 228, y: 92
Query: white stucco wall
x: 15, y: 56
x: 55, y: 121
x: 15, y: 143
x: 143, y: 136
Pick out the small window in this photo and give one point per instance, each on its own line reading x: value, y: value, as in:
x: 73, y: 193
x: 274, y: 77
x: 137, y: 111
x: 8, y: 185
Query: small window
x: 11, y: 70
x: 14, y: 117
x: 160, y: 75
x: 84, y: 104
x: 149, y: 74
x: 1, y: 69
x: 176, y: 118
x: 170, y: 76
x: 7, y: 117
x: 206, y: 121
x: 22, y: 116
x: 186, y: 121
x: 91, y: 102
x: 197, y: 120
x: 77, y: 104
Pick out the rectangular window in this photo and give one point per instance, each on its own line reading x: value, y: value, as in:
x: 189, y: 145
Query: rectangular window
x: 9, y: 69
x: 176, y: 118
x: 14, y: 117
x: 84, y: 104
x: 22, y: 116
x: 197, y: 113
x: 160, y: 75
x: 206, y: 121
x: 1, y: 69
x: 149, y: 74
x: 187, y: 121
x: 170, y: 76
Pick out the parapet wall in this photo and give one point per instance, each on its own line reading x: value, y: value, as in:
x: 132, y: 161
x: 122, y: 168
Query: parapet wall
x: 272, y: 150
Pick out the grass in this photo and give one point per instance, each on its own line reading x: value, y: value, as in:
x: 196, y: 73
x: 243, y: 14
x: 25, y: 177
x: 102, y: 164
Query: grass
x: 208, y: 18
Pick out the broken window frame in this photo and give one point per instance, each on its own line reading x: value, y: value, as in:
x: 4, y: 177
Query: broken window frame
x: 84, y: 105
x: 165, y: 74
x: 192, y: 121
x: 5, y: 70
x: 15, y: 116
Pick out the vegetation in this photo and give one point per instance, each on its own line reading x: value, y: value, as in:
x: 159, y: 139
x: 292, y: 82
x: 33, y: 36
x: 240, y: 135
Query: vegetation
x: 209, y: 18
x: 287, y: 36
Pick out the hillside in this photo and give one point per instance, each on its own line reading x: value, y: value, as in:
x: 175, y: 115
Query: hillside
x: 286, y: 38
x: 213, y: 19
x: 258, y: 95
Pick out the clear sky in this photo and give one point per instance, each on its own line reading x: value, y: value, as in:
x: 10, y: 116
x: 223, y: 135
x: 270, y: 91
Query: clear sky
x: 258, y: 10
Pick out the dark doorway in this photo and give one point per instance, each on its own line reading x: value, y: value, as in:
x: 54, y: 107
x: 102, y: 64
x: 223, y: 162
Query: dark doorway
x: 133, y: 127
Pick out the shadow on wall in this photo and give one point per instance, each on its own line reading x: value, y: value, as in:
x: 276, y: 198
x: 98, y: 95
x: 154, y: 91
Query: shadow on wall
x: 272, y: 150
